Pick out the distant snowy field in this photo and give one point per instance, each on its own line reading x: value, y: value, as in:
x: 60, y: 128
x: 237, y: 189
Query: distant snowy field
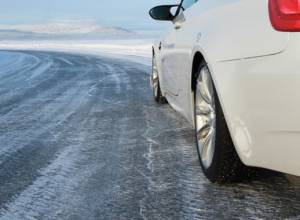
x: 79, y: 37
x: 138, y: 50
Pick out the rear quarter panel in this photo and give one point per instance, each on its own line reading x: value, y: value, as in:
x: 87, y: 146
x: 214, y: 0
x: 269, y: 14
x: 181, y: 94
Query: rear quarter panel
x: 234, y: 29
x: 226, y: 30
x: 238, y: 43
x: 261, y: 101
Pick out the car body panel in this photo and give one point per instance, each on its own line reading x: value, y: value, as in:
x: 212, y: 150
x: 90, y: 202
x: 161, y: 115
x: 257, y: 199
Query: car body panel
x: 234, y: 29
x: 255, y: 70
x: 205, y: 26
x: 260, y: 101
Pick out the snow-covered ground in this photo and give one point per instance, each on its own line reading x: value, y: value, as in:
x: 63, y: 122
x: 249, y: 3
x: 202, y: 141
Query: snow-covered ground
x: 74, y: 36
x: 82, y: 138
x: 129, y: 49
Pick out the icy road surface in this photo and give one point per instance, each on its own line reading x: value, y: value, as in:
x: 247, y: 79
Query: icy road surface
x: 82, y: 138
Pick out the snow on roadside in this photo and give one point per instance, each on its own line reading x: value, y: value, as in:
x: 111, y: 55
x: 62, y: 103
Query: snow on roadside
x: 135, y: 50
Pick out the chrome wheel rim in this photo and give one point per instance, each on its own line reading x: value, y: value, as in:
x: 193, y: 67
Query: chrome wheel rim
x: 154, y: 77
x: 205, y: 117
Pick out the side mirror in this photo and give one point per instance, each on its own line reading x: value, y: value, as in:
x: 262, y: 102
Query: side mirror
x: 164, y: 12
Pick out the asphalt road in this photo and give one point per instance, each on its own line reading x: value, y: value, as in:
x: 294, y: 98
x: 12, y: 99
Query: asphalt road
x: 82, y: 138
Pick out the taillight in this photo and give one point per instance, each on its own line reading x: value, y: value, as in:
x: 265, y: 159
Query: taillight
x: 285, y: 15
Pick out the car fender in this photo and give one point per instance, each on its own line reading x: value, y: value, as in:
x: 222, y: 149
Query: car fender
x: 218, y: 87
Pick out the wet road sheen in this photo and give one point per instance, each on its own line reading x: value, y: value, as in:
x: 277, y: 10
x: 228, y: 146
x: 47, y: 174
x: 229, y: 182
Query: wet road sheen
x: 82, y: 138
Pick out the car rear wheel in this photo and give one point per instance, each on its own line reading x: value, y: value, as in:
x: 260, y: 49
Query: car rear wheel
x: 218, y: 157
x: 159, y: 98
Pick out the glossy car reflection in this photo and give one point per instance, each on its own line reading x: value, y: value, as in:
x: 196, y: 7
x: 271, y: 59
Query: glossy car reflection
x: 232, y: 69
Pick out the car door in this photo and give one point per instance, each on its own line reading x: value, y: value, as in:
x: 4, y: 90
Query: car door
x: 167, y: 63
x: 177, y: 48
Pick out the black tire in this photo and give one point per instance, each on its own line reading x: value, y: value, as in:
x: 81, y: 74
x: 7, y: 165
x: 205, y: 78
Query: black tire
x: 226, y: 166
x: 159, y: 98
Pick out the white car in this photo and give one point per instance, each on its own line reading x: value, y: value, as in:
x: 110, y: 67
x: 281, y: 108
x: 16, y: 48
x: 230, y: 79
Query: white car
x: 232, y: 68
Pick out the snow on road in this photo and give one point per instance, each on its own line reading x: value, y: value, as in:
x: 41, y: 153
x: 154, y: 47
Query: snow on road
x: 82, y: 138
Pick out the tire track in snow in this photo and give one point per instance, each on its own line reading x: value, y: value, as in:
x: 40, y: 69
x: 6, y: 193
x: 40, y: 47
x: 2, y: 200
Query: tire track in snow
x: 81, y: 138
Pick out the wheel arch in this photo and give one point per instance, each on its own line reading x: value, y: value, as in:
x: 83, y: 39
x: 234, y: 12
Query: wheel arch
x: 197, y: 58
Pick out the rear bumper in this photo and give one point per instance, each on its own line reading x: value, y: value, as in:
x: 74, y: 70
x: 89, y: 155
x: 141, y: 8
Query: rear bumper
x: 261, y: 102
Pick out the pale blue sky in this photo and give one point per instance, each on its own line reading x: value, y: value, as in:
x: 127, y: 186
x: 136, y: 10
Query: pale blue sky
x: 132, y: 14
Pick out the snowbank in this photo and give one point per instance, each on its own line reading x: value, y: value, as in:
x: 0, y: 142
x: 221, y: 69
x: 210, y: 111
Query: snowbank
x: 136, y: 50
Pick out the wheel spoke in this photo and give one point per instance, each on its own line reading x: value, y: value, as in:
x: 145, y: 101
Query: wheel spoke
x: 155, y: 89
x: 208, y: 147
x: 154, y: 64
x: 203, y: 110
x: 155, y: 82
x: 203, y: 132
x: 154, y: 77
x: 154, y: 73
x: 206, y: 88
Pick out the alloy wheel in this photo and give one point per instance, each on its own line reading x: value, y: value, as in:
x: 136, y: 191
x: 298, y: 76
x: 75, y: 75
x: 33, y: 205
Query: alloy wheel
x: 205, y: 117
x: 155, y: 82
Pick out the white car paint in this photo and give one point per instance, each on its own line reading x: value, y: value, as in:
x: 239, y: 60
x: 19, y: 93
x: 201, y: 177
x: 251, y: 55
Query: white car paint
x: 255, y: 70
